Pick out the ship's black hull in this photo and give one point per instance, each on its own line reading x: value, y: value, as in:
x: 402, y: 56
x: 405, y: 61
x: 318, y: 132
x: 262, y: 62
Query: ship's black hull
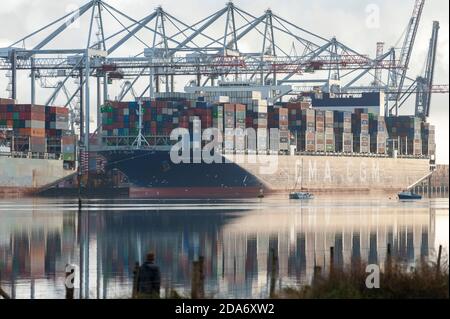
x: 153, y: 174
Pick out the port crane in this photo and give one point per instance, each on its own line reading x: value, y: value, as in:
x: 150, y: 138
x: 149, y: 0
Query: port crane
x: 423, y: 86
x: 423, y: 97
x: 159, y: 47
x: 405, y: 54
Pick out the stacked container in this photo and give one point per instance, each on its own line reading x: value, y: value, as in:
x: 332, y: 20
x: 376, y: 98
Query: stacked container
x: 159, y: 117
x: 320, y: 131
x: 120, y: 119
x: 165, y: 116
x: 295, y: 121
x: 28, y: 124
x: 295, y: 114
x: 233, y: 97
x: 195, y: 129
x: 217, y: 119
x: 329, y: 131
x: 260, y: 124
x: 56, y: 118
x: 257, y: 114
x: 56, y: 125
x: 406, y: 130
x: 343, y: 136
x: 428, y: 139
x: 240, y: 116
x: 415, y: 144
x: 229, y: 122
x: 307, y: 140
x: 68, y: 147
x: 360, y: 130
x: 279, y: 138
x: 378, y: 134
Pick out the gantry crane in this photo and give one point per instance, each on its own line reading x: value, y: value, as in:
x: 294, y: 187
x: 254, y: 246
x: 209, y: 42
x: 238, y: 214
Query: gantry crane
x: 405, y: 54
x: 423, y: 96
x: 162, y: 46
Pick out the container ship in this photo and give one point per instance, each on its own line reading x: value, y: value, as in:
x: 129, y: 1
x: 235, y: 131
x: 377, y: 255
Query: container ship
x: 36, y: 147
x: 322, y: 144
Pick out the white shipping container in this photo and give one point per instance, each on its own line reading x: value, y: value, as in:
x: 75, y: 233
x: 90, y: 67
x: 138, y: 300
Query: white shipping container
x: 260, y: 109
x: 37, y: 124
x: 62, y: 126
x: 261, y: 139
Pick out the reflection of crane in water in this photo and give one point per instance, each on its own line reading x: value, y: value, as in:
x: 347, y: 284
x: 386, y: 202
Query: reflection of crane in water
x: 235, y: 242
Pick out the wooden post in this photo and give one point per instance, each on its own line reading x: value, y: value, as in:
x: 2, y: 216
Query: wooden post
x: 3, y: 294
x: 438, y: 265
x: 194, y: 280
x: 198, y: 279
x: 135, y: 292
x: 388, y: 258
x: 273, y: 273
x: 331, y: 260
x: 316, y: 274
x: 201, y: 277
x: 429, y: 186
x: 69, y: 290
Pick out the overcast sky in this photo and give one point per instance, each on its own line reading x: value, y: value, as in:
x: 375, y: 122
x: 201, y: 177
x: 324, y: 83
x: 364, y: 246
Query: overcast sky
x: 357, y: 23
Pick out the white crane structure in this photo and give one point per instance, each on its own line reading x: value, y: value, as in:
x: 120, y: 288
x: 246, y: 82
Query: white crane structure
x: 158, y: 48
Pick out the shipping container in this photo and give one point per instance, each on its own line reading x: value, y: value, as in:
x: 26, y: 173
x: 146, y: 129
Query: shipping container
x: 307, y: 141
x: 361, y: 143
x: 347, y: 143
x: 329, y: 142
x: 378, y: 143
x: 308, y: 120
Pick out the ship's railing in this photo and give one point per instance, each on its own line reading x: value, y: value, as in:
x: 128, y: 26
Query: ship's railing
x: 31, y: 155
x: 163, y: 143
x: 153, y: 140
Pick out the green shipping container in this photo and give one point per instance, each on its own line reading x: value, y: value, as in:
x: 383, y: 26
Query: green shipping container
x: 68, y: 157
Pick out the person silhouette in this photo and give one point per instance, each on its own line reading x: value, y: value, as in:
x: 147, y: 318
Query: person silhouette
x: 149, y: 281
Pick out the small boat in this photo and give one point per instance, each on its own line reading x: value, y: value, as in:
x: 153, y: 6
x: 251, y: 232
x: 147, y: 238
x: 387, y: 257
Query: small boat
x: 409, y: 195
x: 301, y: 195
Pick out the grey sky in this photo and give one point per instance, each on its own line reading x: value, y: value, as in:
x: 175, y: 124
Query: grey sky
x: 345, y: 19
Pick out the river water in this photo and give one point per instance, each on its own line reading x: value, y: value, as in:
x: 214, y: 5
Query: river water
x: 38, y: 237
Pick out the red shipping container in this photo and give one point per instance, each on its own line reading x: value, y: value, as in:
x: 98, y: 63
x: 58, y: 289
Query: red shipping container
x: 229, y: 107
x: 61, y: 110
x: 37, y: 116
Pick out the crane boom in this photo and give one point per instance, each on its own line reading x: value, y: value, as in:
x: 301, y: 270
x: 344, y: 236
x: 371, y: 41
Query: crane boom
x: 423, y: 97
x: 431, y: 61
x: 407, y: 47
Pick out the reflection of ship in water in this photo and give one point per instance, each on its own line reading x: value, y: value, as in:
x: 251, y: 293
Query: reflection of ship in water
x: 236, y: 246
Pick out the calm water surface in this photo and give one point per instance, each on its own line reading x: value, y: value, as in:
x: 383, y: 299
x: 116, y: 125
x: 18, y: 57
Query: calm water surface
x: 38, y: 237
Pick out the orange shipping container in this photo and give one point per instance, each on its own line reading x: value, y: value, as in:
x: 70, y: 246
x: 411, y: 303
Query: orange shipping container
x: 62, y: 110
x: 24, y: 131
x: 38, y: 132
x: 7, y: 101
x: 37, y: 116
x: 38, y: 109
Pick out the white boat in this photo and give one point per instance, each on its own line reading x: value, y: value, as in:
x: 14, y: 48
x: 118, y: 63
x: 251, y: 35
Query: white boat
x: 300, y: 195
